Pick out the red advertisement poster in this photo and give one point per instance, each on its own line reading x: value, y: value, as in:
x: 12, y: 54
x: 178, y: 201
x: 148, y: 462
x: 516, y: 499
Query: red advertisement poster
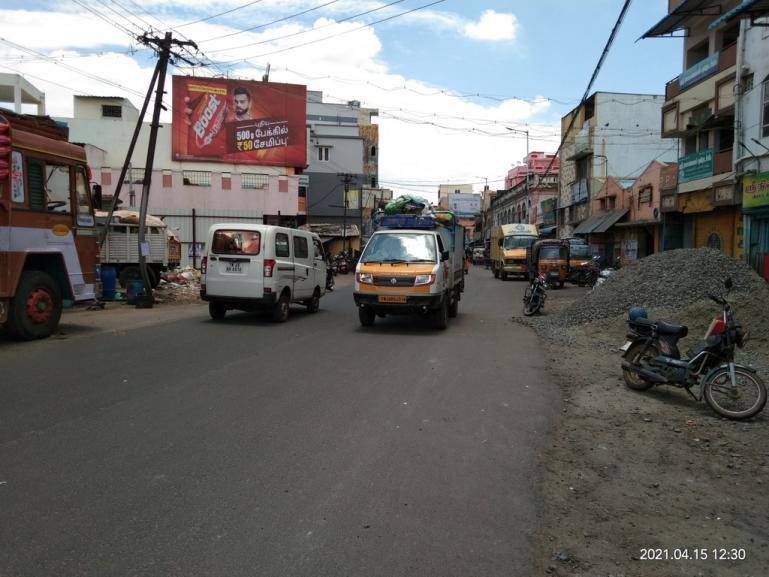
x: 239, y: 121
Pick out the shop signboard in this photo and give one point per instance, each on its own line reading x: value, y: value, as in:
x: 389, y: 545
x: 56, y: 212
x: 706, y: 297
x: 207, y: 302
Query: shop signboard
x: 695, y: 166
x: 702, y: 69
x: 755, y: 190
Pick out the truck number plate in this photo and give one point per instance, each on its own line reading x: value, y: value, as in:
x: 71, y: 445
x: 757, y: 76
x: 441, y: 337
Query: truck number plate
x: 392, y: 299
x: 234, y: 268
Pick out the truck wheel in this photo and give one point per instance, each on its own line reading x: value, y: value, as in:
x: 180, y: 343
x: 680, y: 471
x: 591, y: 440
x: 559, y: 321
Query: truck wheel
x: 496, y: 271
x: 36, y: 309
x: 217, y: 310
x: 313, y: 305
x: 454, y: 306
x: 366, y: 315
x: 441, y: 315
x: 280, y: 310
x: 503, y: 275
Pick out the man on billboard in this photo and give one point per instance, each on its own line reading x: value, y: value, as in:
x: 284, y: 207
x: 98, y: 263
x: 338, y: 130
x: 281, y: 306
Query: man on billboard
x: 241, y: 105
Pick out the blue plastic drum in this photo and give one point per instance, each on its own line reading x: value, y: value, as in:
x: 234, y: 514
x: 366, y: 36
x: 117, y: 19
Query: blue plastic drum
x: 133, y: 291
x: 108, y: 283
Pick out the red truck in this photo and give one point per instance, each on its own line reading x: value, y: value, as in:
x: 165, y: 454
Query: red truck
x: 48, y: 237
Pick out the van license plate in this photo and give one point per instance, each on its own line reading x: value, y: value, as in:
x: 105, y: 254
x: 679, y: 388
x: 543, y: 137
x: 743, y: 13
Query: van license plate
x: 392, y: 299
x: 234, y: 268
x: 624, y: 348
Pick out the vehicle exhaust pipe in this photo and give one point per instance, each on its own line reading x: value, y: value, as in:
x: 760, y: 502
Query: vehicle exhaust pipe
x: 643, y: 373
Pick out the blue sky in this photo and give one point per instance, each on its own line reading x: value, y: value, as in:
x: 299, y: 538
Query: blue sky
x: 494, y: 47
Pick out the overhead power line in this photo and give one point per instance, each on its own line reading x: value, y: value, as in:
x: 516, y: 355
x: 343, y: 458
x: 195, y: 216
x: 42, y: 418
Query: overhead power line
x: 315, y: 41
x: 294, y: 34
x: 259, y: 26
x: 212, y: 16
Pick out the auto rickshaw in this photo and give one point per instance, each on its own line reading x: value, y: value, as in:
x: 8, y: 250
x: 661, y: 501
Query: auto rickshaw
x: 550, y: 258
x: 579, y: 254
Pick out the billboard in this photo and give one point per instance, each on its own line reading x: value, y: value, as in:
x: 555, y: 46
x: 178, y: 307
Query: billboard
x: 464, y: 203
x: 239, y: 121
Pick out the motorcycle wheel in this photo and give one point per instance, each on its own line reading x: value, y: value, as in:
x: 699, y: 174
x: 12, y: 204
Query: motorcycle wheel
x: 532, y: 305
x: 633, y: 355
x: 726, y: 400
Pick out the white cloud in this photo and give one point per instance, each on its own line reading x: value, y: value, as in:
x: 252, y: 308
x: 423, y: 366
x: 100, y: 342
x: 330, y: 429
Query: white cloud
x: 347, y: 67
x: 493, y: 26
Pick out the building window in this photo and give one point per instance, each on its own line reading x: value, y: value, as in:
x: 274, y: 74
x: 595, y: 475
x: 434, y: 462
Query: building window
x: 253, y: 180
x: 612, y: 202
x: 135, y: 176
x: 765, y: 117
x: 714, y: 241
x: 696, y: 54
x: 324, y: 152
x: 373, y: 182
x: 111, y: 111
x: 196, y: 178
x: 747, y: 83
x: 373, y: 152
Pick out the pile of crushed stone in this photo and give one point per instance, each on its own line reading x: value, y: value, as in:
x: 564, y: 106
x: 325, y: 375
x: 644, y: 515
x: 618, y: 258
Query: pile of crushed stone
x: 675, y: 280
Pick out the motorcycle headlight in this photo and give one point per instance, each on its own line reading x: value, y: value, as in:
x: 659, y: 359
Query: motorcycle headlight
x: 423, y: 279
x: 365, y: 277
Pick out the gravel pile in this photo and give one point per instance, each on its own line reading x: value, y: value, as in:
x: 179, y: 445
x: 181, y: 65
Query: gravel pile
x: 672, y: 281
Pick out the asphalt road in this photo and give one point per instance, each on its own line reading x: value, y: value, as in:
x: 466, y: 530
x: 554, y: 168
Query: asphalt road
x: 187, y: 447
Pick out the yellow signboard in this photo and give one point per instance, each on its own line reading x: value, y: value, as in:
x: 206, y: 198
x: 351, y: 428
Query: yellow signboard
x: 755, y: 190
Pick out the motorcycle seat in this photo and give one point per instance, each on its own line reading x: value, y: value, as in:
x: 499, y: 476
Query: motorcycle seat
x: 663, y: 328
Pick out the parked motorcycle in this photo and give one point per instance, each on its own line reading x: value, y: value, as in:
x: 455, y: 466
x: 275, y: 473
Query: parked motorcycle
x: 587, y: 273
x: 535, y: 295
x: 342, y: 265
x: 651, y: 357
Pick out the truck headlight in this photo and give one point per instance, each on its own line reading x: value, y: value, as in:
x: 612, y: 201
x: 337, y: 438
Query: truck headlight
x: 365, y: 277
x: 423, y: 279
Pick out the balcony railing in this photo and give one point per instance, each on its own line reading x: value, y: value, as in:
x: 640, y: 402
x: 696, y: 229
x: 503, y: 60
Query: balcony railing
x: 721, y: 61
x: 722, y: 162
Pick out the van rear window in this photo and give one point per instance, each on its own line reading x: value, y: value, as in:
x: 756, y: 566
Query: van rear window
x: 236, y: 242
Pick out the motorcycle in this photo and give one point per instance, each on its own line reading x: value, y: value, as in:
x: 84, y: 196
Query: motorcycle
x: 535, y: 295
x: 587, y: 273
x: 651, y: 357
x: 342, y: 265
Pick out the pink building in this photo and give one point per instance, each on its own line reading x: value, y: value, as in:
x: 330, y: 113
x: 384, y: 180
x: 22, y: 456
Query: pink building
x: 535, y: 163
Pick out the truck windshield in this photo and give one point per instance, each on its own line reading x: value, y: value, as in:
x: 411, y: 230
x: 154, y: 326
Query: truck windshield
x: 519, y: 241
x: 236, y: 242
x: 400, y: 247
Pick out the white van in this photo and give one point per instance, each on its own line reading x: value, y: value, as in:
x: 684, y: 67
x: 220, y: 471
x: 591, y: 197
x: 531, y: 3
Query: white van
x: 260, y: 266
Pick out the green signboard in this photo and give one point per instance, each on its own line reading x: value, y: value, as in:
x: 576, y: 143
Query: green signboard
x: 755, y: 190
x: 695, y: 166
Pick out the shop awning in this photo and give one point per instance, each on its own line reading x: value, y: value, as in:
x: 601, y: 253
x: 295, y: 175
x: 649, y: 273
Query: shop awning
x: 587, y: 225
x: 610, y: 220
x: 680, y: 16
x: 600, y: 222
x: 753, y: 8
x: 638, y: 223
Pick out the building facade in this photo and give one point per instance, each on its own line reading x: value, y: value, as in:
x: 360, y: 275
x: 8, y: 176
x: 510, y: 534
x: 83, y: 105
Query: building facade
x: 613, y: 134
x: 531, y: 194
x: 342, y: 141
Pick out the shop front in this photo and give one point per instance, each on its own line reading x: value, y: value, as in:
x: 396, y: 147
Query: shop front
x: 755, y: 209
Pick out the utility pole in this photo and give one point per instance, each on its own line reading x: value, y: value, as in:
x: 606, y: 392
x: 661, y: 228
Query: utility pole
x: 347, y: 179
x: 163, y: 47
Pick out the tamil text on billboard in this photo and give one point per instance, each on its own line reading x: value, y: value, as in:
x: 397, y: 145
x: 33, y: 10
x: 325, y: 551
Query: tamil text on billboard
x: 239, y: 122
x: 464, y: 204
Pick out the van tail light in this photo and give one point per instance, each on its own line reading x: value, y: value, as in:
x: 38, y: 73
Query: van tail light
x: 269, y: 266
x: 203, y: 265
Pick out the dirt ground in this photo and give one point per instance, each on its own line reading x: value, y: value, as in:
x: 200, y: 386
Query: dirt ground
x: 629, y: 471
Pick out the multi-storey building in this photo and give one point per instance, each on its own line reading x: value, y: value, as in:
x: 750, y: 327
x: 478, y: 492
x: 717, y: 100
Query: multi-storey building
x: 699, y: 115
x: 613, y: 134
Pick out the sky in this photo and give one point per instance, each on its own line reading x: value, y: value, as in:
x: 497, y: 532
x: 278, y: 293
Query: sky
x: 449, y: 79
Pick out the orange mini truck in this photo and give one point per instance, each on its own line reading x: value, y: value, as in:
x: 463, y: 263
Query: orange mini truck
x: 48, y: 237
x: 412, y: 264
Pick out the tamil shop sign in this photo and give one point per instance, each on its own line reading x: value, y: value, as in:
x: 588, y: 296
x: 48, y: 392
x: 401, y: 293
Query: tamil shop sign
x: 755, y: 190
x: 695, y: 166
x: 702, y: 69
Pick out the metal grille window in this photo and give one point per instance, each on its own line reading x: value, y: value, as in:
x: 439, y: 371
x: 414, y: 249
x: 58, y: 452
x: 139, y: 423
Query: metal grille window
x: 323, y: 153
x: 135, y: 176
x: 765, y: 115
x: 196, y: 178
x: 111, y: 111
x: 253, y: 180
x: 714, y: 241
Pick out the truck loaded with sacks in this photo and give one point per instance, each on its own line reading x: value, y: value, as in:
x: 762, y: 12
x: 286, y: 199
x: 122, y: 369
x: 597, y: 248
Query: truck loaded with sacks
x: 49, y: 256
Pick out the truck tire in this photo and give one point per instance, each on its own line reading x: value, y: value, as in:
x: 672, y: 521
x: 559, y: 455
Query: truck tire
x: 280, y: 309
x: 441, y: 315
x: 454, y: 306
x: 366, y: 316
x: 495, y: 270
x: 217, y: 310
x: 35, y: 311
x: 127, y: 274
x: 503, y: 275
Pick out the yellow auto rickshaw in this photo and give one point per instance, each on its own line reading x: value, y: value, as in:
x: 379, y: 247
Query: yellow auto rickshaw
x: 550, y: 258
